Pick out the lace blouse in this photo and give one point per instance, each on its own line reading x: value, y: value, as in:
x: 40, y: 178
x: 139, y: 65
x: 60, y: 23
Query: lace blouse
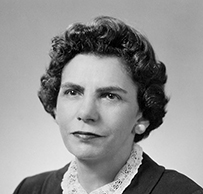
x: 71, y: 185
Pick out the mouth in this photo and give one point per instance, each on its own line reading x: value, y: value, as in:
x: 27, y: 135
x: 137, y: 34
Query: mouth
x: 86, y: 135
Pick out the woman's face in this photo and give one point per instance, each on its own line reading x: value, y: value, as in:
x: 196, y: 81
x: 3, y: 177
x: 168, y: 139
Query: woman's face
x: 97, y: 108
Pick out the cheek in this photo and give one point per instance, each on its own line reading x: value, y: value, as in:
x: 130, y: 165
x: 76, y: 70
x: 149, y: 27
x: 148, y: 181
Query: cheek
x: 121, y: 120
x: 62, y: 117
x: 63, y: 122
x: 63, y: 111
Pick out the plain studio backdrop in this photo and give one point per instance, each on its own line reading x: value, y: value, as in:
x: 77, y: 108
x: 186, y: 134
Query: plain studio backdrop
x: 30, y: 139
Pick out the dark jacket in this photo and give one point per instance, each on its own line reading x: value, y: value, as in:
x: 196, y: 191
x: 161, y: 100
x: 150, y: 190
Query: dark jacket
x: 150, y: 179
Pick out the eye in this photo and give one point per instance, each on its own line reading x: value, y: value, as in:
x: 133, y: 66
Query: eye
x: 71, y: 92
x: 111, y: 96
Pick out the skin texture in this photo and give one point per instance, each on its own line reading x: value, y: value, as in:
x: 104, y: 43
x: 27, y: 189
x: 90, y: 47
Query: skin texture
x: 97, y: 112
x: 86, y: 103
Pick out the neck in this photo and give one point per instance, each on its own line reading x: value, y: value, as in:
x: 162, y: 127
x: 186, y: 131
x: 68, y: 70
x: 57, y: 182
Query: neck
x: 95, y: 174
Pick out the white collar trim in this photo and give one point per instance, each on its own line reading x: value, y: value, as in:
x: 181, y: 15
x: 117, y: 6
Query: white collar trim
x: 71, y: 185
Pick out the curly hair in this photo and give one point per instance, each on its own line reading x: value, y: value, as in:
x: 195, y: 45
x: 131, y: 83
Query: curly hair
x: 107, y: 36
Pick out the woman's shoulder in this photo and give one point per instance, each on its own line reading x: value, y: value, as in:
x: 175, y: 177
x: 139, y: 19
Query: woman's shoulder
x: 46, y: 182
x: 162, y: 180
x: 177, y: 182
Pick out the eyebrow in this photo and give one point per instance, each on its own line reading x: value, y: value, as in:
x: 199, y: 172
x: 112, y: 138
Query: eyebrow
x: 111, y: 89
x: 73, y: 86
x: 99, y: 90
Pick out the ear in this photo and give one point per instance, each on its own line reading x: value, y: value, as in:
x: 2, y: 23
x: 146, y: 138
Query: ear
x: 141, y: 126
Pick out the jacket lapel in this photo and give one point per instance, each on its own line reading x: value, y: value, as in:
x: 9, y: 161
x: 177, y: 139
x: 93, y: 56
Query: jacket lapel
x: 147, y: 177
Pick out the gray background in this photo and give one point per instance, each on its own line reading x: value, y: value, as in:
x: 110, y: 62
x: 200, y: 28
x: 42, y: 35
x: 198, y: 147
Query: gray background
x: 30, y: 140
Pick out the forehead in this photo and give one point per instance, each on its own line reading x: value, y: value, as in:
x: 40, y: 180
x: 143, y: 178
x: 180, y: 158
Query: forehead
x: 97, y: 70
x: 86, y: 66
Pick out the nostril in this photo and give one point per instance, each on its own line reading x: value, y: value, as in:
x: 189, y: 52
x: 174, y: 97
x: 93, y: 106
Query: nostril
x: 86, y: 119
x: 79, y: 119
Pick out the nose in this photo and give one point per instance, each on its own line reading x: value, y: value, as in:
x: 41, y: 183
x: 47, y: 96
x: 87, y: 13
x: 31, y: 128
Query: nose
x: 88, y: 110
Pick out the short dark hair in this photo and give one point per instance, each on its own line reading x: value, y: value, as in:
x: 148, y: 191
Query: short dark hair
x: 108, y: 36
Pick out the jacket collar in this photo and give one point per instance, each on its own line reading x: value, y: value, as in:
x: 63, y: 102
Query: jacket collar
x: 145, y: 180
x: 147, y: 177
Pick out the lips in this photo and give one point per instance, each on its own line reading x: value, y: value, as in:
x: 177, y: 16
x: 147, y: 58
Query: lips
x: 86, y: 135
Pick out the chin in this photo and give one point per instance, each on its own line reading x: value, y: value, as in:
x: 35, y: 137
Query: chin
x: 85, y: 153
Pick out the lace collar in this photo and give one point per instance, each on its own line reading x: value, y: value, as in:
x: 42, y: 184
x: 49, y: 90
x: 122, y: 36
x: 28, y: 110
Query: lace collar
x: 71, y: 185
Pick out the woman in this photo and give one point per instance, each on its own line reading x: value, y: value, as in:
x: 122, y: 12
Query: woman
x: 105, y: 89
